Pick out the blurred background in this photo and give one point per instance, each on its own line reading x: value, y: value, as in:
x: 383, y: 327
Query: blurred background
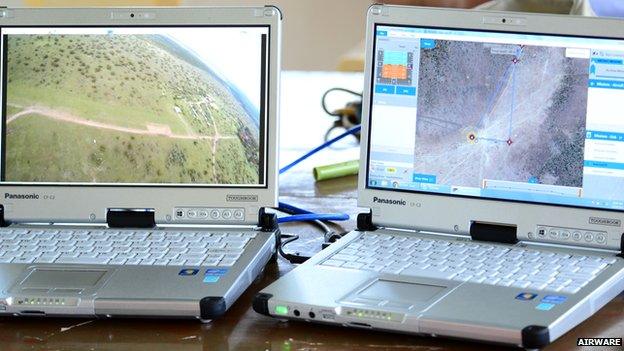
x: 319, y: 35
x: 327, y: 35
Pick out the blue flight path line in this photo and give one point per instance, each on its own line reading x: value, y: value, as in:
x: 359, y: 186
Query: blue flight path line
x: 513, y: 90
x: 492, y: 139
x: 492, y: 98
x: 511, y: 69
x: 513, y: 97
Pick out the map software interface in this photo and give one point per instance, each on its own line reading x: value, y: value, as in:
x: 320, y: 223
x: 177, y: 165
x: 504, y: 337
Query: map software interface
x: 170, y: 105
x: 524, y: 117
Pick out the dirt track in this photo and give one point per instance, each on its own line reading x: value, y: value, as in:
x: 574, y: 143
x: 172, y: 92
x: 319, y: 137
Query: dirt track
x: 152, y: 129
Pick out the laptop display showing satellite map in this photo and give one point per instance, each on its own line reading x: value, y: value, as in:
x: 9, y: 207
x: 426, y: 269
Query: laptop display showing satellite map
x: 497, y: 115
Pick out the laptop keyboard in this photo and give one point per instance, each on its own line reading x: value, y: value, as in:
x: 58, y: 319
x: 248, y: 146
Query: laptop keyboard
x: 468, y: 261
x: 125, y: 247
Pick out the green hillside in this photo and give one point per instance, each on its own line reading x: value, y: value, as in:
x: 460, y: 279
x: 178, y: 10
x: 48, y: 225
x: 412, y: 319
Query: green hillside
x: 120, y: 81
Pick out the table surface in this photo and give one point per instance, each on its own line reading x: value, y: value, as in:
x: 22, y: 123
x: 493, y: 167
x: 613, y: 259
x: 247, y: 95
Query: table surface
x: 243, y: 329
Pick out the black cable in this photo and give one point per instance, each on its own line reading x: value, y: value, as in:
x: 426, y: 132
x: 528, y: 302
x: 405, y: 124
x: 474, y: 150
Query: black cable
x: 292, y: 258
x: 329, y: 236
x: 324, y: 105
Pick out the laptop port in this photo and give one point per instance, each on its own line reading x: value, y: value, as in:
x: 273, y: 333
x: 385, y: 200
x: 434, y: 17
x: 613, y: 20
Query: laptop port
x: 312, y: 315
x: 296, y: 313
x: 361, y: 325
x: 32, y: 313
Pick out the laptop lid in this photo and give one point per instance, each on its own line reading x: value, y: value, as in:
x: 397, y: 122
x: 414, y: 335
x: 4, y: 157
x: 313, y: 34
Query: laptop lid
x: 497, y: 118
x: 170, y: 109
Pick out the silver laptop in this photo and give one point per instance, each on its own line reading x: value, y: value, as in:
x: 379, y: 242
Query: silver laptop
x: 492, y: 166
x: 138, y: 153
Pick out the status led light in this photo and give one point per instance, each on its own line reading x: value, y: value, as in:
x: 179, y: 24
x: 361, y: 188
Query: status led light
x: 281, y: 309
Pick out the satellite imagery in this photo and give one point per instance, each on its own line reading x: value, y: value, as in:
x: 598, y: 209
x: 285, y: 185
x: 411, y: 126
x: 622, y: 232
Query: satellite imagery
x: 501, y: 112
x: 138, y: 108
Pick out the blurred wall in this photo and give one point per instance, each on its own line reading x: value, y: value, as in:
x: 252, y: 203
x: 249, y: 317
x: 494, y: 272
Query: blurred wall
x: 317, y: 35
x: 316, y: 32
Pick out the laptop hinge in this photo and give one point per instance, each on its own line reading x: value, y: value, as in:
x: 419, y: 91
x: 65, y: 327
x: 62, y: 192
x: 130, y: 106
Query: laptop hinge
x: 130, y: 218
x: 506, y: 234
x: 365, y: 222
x: 267, y: 221
x: 3, y: 223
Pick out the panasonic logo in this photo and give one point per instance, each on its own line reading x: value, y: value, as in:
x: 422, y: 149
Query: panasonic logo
x: 612, y: 222
x: 21, y: 196
x: 389, y: 201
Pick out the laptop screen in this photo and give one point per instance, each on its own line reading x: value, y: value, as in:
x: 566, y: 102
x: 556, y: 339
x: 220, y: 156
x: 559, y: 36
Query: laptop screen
x: 134, y: 105
x: 519, y: 117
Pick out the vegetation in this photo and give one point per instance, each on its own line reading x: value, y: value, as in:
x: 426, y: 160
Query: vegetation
x: 139, y: 83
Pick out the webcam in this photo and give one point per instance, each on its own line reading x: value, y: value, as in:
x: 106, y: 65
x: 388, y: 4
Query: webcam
x: 133, y: 15
x: 508, y: 21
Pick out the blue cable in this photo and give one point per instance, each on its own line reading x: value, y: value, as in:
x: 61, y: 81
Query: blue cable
x: 353, y: 130
x: 301, y: 215
x: 292, y: 209
x: 314, y: 217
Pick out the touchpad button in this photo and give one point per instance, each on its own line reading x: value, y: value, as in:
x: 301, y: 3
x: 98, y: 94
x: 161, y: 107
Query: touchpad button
x: 62, y: 278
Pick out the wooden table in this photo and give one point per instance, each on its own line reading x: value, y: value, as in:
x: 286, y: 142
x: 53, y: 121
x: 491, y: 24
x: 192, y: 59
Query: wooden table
x: 243, y: 329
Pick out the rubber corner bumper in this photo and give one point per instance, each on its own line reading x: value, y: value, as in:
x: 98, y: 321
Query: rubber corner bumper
x: 260, y: 303
x: 535, y: 337
x: 212, y: 307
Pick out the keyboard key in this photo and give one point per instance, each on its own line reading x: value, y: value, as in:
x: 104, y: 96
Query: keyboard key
x: 343, y: 257
x: 333, y: 262
x: 428, y: 273
x: 82, y: 260
x: 161, y: 262
x: 227, y: 262
x: 355, y: 265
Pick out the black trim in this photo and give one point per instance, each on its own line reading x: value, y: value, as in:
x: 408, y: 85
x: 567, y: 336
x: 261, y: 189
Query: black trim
x: 262, y: 123
x: 535, y: 337
x: 370, y: 114
x: 212, y: 307
x: 3, y: 223
x: 130, y: 218
x: 622, y: 246
x: 260, y: 303
x: 505, y: 234
x: 3, y: 72
x: 267, y: 221
x: 263, y: 118
x: 365, y: 222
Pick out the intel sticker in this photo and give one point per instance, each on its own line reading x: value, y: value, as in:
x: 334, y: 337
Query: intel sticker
x: 554, y: 299
x: 213, y: 275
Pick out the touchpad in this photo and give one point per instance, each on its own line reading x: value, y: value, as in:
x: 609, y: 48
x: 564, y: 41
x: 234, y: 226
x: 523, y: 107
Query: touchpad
x: 393, y: 295
x: 400, y: 291
x: 62, y: 278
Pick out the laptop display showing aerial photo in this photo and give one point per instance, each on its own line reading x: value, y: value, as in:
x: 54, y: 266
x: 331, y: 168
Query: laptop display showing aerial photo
x: 134, y: 105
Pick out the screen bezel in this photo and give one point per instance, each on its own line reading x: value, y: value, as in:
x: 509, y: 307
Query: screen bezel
x: 263, y: 125
x: 369, y: 116
x: 455, y: 214
x: 89, y: 203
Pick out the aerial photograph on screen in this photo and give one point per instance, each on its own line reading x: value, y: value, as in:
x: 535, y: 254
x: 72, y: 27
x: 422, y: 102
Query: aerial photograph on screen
x: 124, y: 108
x: 501, y: 112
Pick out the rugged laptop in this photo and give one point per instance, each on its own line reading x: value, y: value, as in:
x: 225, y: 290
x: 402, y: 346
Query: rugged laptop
x: 492, y: 164
x: 139, y: 149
